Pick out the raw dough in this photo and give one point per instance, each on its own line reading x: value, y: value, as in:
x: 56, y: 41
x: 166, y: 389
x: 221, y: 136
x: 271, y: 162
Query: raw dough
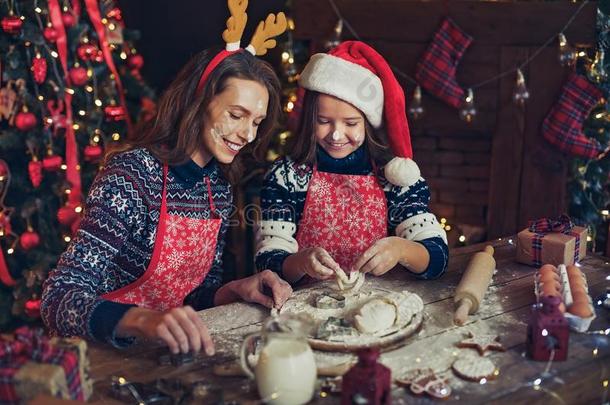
x: 349, y: 284
x: 376, y: 315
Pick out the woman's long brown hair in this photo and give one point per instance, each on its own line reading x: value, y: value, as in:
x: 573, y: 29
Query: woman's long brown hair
x: 175, y: 132
x: 304, y: 146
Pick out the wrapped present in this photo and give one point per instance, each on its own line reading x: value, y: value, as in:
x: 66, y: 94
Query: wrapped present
x: 553, y: 241
x: 32, y: 364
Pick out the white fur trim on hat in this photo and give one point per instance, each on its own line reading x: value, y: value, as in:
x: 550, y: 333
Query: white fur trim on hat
x: 347, y: 81
x: 402, y: 172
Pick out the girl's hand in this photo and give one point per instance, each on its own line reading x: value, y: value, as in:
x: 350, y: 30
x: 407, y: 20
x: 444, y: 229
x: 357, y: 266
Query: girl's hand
x: 315, y: 262
x: 382, y: 256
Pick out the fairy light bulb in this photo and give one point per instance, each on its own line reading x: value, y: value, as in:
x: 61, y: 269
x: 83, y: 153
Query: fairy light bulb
x: 521, y: 94
x: 597, y: 72
x: 416, y: 109
x: 290, y: 68
x: 468, y: 110
x: 335, y: 39
x: 567, y: 55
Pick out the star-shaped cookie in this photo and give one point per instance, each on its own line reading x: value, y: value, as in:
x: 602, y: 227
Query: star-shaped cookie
x: 482, y: 343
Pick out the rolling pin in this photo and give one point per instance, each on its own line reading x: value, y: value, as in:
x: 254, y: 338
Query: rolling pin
x: 473, y: 285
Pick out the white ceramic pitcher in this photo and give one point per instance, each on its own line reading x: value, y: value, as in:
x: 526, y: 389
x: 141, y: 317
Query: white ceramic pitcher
x: 285, y: 372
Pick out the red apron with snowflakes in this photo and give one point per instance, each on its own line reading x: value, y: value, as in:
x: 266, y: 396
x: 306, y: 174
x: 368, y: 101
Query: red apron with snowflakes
x: 344, y: 214
x: 182, y: 257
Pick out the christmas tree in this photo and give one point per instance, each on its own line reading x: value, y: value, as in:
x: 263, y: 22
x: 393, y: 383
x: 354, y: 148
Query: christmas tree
x: 69, y: 88
x: 589, y: 187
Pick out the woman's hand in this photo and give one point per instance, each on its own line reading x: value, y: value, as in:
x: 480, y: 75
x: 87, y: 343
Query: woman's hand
x: 254, y: 288
x: 386, y: 253
x: 180, y: 328
x: 315, y: 262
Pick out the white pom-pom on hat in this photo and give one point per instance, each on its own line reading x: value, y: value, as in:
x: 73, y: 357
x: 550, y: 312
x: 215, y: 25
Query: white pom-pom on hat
x: 402, y: 172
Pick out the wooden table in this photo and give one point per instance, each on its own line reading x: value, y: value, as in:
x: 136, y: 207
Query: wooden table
x: 583, y: 378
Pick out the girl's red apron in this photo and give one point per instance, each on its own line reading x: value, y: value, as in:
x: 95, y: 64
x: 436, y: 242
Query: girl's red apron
x: 182, y: 257
x: 344, y: 214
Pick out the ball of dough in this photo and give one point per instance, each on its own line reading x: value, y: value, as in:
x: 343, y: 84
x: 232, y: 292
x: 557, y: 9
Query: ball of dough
x: 375, y: 316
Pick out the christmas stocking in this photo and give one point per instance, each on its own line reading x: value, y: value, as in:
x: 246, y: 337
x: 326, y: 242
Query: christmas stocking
x: 563, y: 125
x: 436, y: 71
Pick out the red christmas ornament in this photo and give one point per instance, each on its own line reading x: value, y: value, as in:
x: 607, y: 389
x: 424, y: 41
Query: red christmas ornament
x: 93, y: 153
x: 39, y: 69
x: 98, y: 56
x: 68, y: 19
x: 35, y: 171
x: 87, y: 51
x: 5, y: 223
x: 115, y: 113
x: 32, y: 308
x: 3, y: 168
x: 66, y: 215
x: 29, y: 240
x: 52, y: 163
x: 78, y: 76
x: 116, y: 14
x: 11, y: 24
x: 50, y: 34
x: 135, y: 61
x: 24, y: 121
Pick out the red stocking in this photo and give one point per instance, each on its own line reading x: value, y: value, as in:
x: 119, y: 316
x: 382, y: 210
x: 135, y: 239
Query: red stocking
x: 436, y: 70
x: 563, y: 125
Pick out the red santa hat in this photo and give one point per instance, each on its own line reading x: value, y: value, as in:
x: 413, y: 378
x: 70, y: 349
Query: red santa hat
x: 354, y: 72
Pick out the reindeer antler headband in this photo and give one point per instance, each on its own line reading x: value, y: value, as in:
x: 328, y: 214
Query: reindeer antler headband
x: 262, y: 40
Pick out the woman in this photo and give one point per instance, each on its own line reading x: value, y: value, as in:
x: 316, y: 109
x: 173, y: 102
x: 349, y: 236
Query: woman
x: 148, y: 252
x: 328, y: 207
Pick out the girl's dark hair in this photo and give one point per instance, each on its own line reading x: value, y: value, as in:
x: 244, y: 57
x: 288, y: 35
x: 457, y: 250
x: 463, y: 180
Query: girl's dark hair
x: 303, y: 149
x: 175, y: 132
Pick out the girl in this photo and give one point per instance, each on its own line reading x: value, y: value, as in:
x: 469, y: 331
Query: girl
x: 329, y: 206
x: 153, y: 232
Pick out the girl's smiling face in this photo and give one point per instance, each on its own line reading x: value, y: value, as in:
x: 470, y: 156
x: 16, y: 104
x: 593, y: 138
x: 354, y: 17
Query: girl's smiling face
x: 339, y: 126
x: 232, y: 120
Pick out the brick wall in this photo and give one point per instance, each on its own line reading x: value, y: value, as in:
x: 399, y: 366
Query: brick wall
x: 457, y: 171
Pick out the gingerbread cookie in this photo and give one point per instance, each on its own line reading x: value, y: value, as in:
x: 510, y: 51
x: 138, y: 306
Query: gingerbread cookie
x: 423, y: 380
x: 474, y: 368
x: 482, y: 343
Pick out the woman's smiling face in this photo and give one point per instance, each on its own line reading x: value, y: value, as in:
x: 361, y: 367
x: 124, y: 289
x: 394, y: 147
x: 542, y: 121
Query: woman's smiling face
x: 232, y: 120
x: 339, y: 127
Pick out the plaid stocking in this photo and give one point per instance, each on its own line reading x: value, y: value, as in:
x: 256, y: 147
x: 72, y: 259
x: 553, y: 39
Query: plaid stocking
x: 562, y: 127
x: 436, y: 71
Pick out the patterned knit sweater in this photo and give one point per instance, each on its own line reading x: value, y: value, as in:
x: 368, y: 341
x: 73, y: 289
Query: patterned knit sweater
x: 283, y: 200
x: 114, y: 244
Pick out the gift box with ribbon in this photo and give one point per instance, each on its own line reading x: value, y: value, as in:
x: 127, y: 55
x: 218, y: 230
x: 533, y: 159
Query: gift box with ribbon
x: 554, y: 241
x: 32, y: 364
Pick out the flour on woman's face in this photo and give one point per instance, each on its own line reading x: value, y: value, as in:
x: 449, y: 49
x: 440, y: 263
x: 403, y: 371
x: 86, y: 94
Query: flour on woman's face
x: 232, y: 119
